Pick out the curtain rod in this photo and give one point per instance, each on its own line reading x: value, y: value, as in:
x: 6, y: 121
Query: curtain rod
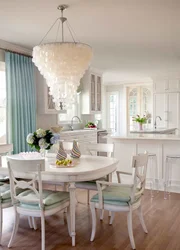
x: 19, y: 53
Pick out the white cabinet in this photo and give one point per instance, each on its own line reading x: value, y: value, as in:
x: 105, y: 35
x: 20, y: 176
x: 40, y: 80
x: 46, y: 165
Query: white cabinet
x: 86, y: 136
x: 167, y: 106
x: 173, y: 85
x: 83, y: 137
x: 91, y: 93
x: 160, y: 109
x: 160, y: 86
x: 166, y: 85
x: 173, y: 109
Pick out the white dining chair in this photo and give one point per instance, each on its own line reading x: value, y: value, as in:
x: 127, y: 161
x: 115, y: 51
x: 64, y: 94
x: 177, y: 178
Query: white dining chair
x: 5, y: 196
x: 5, y: 149
x: 5, y: 202
x: 33, y: 201
x: 94, y: 149
x: 118, y: 197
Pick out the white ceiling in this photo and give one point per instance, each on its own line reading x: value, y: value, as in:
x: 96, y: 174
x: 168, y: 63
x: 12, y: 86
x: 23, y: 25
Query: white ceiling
x: 131, y: 39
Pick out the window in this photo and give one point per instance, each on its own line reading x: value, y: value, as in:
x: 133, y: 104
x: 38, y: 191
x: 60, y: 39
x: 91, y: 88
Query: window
x: 112, y: 111
x: 139, y: 102
x: 2, y: 107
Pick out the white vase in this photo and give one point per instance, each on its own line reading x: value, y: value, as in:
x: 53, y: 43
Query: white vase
x: 140, y: 126
x: 43, y: 152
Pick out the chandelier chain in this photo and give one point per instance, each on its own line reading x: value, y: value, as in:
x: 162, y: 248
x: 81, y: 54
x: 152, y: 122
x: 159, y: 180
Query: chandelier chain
x: 57, y: 30
x: 70, y: 32
x: 49, y: 30
x: 73, y: 34
x: 61, y: 19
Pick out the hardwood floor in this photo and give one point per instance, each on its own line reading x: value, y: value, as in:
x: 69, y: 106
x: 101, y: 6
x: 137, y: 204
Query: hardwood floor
x: 162, y: 219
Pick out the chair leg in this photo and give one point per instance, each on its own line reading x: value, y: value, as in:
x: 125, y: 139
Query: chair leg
x: 34, y: 223
x: 101, y: 214
x: 42, y: 232
x: 130, y: 229
x: 15, y: 228
x: 1, y: 222
x: 88, y: 194
x: 166, y: 179
x: 112, y: 218
x: 93, y: 213
x: 30, y: 222
x: 142, y: 219
x: 152, y: 191
x: 68, y: 220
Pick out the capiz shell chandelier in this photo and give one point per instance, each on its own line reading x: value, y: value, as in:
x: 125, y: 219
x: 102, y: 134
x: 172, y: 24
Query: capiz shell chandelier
x: 62, y: 64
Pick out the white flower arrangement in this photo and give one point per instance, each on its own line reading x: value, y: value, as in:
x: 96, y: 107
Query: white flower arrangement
x: 42, y: 139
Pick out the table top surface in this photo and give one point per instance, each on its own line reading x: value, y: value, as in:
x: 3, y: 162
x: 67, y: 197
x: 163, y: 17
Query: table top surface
x: 86, y: 164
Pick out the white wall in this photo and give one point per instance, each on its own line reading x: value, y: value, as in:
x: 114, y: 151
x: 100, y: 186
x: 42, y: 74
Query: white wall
x: 45, y: 121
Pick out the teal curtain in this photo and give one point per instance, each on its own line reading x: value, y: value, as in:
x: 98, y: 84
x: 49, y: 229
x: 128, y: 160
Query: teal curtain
x: 21, y: 100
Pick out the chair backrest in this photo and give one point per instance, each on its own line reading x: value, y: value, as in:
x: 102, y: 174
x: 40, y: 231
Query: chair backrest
x: 139, y: 163
x: 93, y: 148
x: 6, y: 148
x: 18, y: 168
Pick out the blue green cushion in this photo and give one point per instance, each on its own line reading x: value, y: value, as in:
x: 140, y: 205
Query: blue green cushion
x: 5, y: 191
x: 3, y: 178
x: 90, y: 184
x: 50, y: 198
x: 36, y: 206
x: 6, y: 201
x: 114, y: 195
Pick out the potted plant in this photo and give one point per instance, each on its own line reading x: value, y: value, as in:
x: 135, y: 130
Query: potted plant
x: 42, y: 140
x: 140, y: 120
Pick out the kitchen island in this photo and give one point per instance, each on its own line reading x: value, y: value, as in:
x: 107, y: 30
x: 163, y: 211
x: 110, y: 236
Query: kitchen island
x: 159, y: 144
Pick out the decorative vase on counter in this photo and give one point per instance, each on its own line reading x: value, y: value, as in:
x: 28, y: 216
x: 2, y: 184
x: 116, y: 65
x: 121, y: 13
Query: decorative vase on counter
x: 140, y: 126
x: 75, y: 152
x: 61, y: 154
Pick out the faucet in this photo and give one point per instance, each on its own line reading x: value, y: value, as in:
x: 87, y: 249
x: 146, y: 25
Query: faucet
x: 71, y: 126
x: 155, y: 123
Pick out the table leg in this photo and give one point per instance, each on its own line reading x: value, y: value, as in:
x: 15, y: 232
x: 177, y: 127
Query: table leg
x: 72, y: 191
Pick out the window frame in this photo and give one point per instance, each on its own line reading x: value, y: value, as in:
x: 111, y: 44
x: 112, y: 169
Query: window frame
x: 140, y: 110
x: 117, y: 111
x: 2, y: 68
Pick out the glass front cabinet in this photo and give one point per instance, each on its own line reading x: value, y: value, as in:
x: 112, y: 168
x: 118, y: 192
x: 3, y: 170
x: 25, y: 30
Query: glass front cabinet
x: 92, y: 93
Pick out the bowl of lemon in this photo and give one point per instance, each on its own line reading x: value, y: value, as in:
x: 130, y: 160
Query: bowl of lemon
x: 64, y: 163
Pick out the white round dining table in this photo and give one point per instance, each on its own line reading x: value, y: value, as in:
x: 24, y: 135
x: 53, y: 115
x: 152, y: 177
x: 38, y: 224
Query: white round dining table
x: 86, y: 168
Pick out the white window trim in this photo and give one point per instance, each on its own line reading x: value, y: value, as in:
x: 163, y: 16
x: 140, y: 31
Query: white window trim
x: 108, y: 110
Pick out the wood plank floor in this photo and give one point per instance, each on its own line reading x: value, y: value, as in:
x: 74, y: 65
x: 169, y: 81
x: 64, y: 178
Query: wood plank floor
x: 162, y: 218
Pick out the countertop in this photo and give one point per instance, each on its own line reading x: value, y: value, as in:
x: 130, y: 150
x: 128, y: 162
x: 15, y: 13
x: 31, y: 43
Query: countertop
x: 81, y: 131
x: 155, y: 131
x: 162, y: 137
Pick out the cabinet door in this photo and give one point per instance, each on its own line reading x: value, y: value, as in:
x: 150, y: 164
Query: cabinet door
x: 160, y: 86
x: 98, y: 93
x: 173, y: 85
x: 93, y: 93
x: 160, y: 109
x: 173, y: 110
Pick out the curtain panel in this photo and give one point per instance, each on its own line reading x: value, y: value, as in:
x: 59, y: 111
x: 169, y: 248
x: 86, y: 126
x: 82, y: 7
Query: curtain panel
x: 21, y: 100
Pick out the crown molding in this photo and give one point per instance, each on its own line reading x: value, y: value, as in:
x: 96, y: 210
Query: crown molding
x: 15, y: 48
